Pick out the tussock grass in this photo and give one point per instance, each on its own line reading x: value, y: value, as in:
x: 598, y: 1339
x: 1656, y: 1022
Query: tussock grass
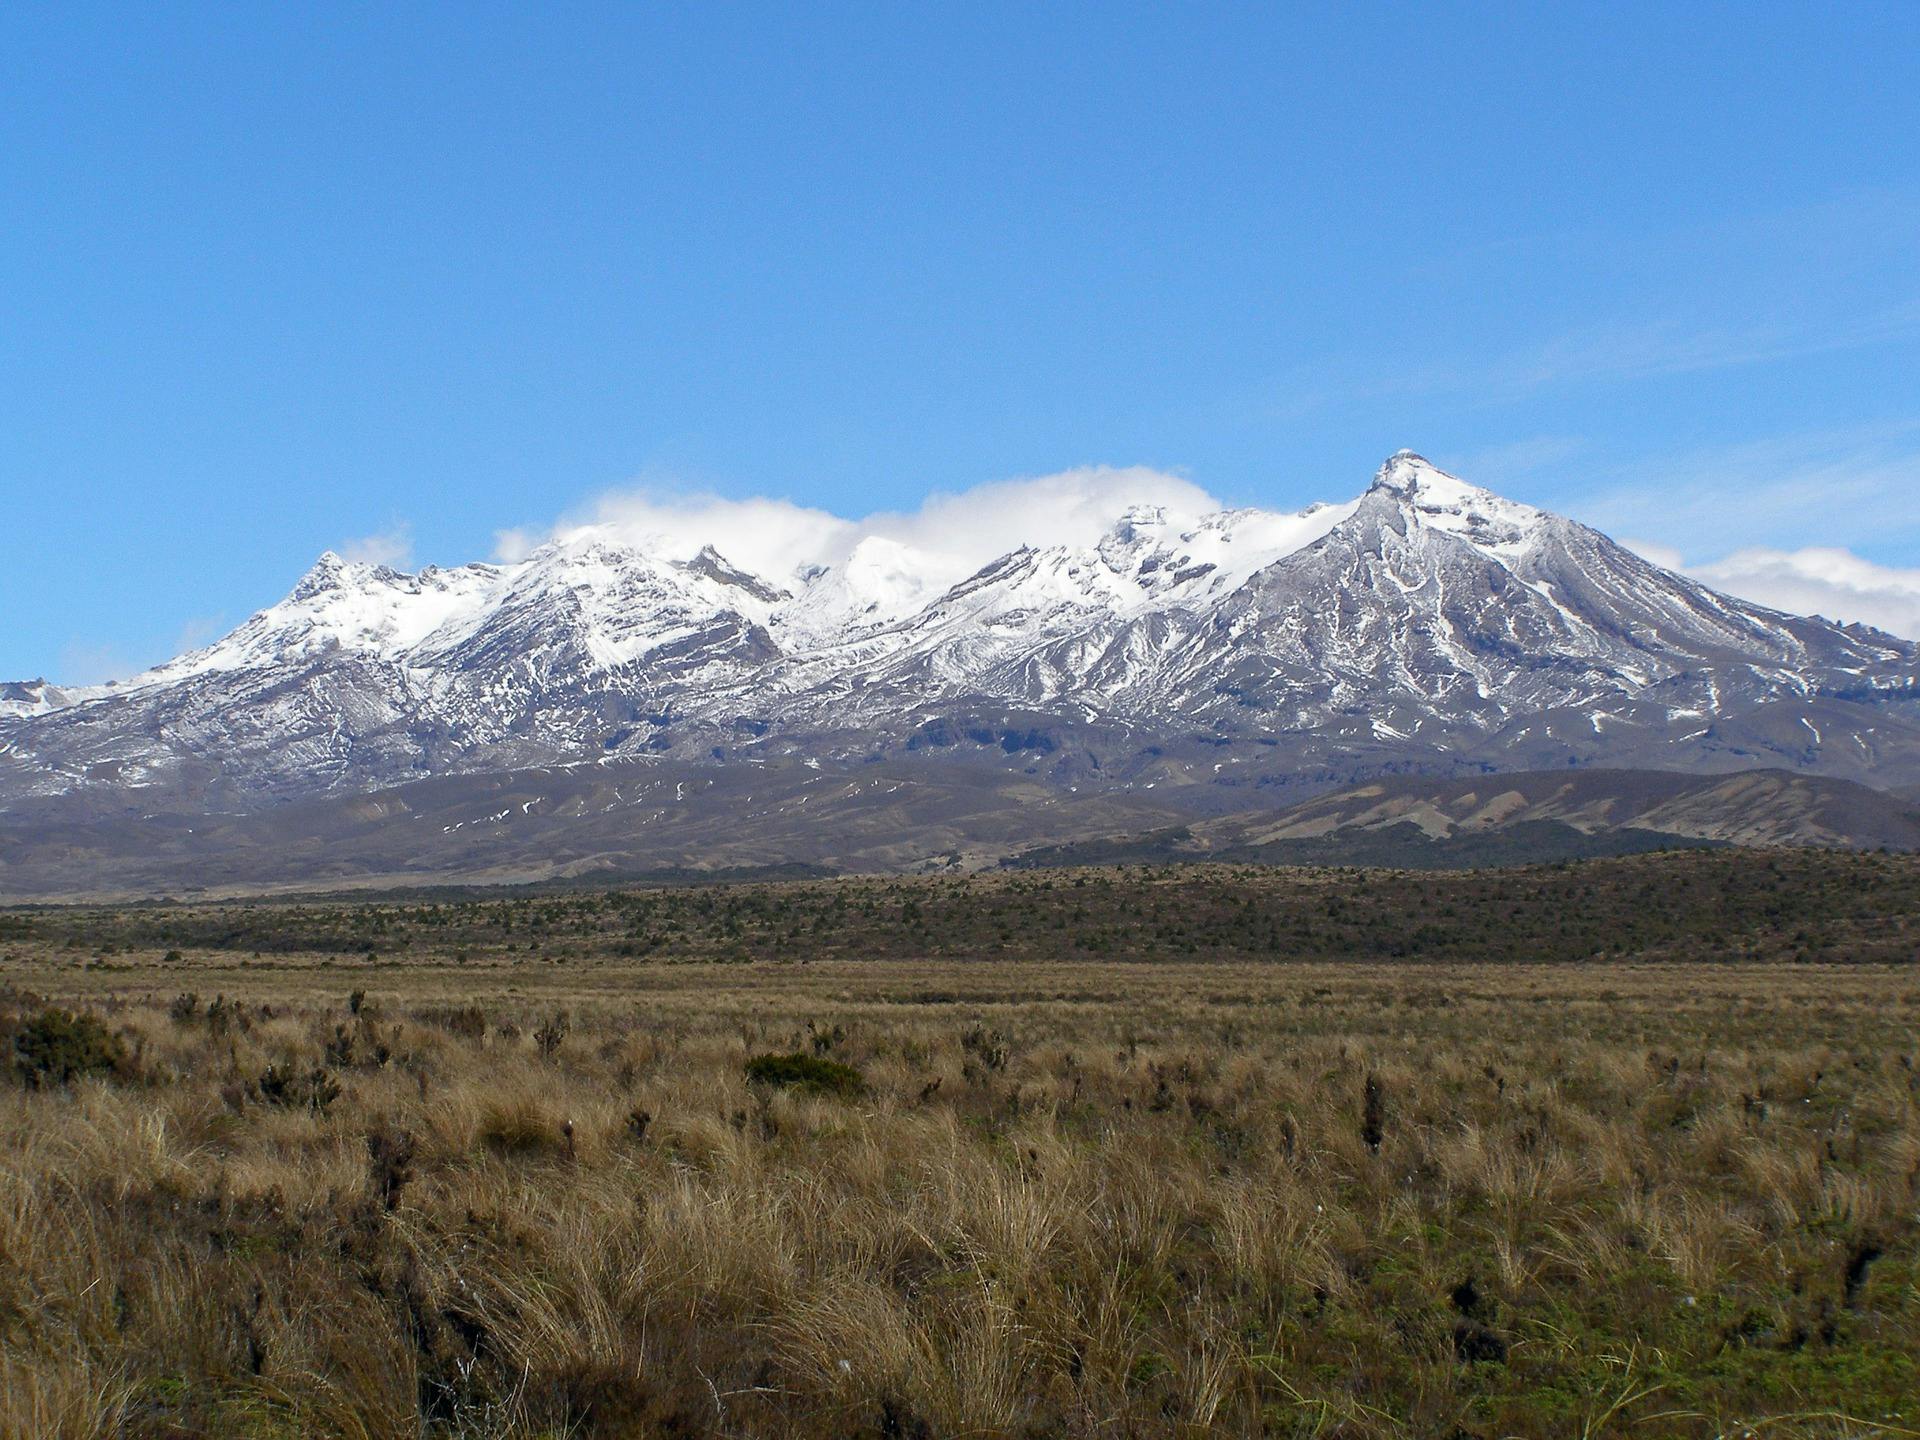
x: 1072, y: 1198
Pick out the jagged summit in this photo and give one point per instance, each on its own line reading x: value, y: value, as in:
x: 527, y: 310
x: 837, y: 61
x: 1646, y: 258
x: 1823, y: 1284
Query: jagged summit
x: 1416, y: 479
x: 1425, y: 623
x: 1430, y: 497
x: 327, y: 572
x: 1402, y: 470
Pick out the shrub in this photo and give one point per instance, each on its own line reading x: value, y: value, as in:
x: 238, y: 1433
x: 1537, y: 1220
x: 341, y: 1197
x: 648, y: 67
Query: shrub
x: 340, y: 1048
x: 315, y: 1090
x: 468, y: 1022
x: 991, y: 1047
x: 550, y: 1036
x: 1478, y: 1344
x: 223, y: 1014
x: 807, y: 1073
x: 389, y: 1164
x: 1373, y: 1114
x: 57, y: 1047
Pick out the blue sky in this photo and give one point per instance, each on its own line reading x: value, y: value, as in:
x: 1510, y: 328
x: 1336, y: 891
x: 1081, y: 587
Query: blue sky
x: 279, y: 278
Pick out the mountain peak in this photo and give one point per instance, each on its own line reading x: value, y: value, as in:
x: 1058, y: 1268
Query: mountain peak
x: 1436, y: 500
x: 1409, y: 474
x: 715, y: 566
x: 326, y: 573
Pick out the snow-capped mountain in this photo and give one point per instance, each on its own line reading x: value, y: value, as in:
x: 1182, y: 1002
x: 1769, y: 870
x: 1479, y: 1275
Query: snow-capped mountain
x: 1425, y: 626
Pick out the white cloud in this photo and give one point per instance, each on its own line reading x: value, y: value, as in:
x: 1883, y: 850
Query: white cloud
x: 1835, y: 490
x: 767, y: 536
x: 1821, y: 581
x: 1767, y: 488
x: 392, y: 546
x: 1074, y: 507
x: 512, y: 546
x: 953, y: 533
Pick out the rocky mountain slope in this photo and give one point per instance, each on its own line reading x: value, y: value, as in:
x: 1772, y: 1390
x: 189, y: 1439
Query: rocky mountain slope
x: 1242, y: 658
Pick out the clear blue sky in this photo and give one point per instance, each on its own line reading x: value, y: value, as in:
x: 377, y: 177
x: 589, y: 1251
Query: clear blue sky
x: 276, y: 276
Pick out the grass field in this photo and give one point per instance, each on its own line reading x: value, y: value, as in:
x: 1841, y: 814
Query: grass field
x: 1621, y: 1148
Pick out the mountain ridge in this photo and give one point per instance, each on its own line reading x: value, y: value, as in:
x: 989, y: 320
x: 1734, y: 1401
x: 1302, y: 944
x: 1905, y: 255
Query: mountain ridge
x: 1426, y: 627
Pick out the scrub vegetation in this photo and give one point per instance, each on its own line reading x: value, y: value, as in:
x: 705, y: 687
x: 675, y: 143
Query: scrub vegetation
x: 1628, y: 1147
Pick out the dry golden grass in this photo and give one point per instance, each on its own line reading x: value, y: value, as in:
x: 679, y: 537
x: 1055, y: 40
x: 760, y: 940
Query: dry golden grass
x: 1075, y: 1199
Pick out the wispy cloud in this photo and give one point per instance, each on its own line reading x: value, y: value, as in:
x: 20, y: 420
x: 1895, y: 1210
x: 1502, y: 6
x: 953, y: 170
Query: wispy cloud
x: 88, y: 664
x: 1667, y: 557
x: 952, y: 533
x: 392, y: 546
x: 1720, y: 515
x: 1514, y: 462
x: 1858, y: 488
x: 1654, y: 348
x: 1619, y: 306
x: 84, y: 663
x: 1607, y: 353
x: 1730, y: 518
x: 1617, y: 352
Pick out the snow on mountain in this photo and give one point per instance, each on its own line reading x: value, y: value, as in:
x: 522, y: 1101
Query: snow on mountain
x: 367, y: 610
x: 1425, y: 622
x: 19, y: 698
x: 586, y: 606
x: 1492, y: 524
x: 881, y: 581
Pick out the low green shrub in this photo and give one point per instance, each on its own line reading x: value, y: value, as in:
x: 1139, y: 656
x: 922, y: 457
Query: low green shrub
x: 808, y: 1073
x: 57, y: 1047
